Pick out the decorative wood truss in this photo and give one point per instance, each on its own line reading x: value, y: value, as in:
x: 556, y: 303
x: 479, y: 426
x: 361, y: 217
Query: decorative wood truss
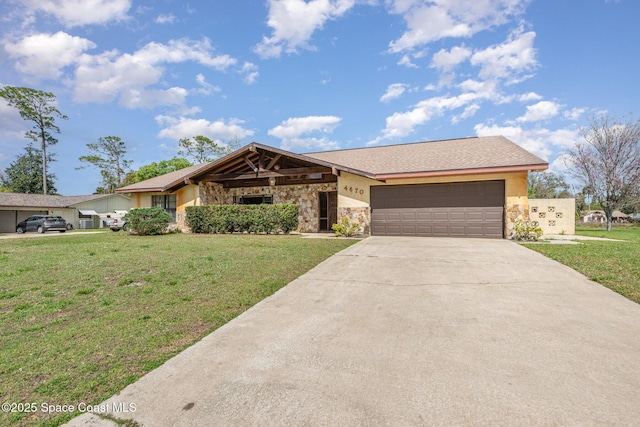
x: 259, y: 165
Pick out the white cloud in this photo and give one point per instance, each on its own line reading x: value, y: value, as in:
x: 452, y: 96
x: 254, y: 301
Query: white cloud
x: 540, y: 141
x: 45, y: 55
x: 447, y: 60
x: 220, y: 131
x: 75, y: 13
x: 531, y: 96
x: 574, y: 114
x: 508, y: 60
x: 468, y: 112
x: 406, y: 61
x: 394, y: 91
x: 104, y: 77
x: 251, y: 72
x: 206, y: 87
x: 429, y: 21
x: 165, y: 19
x: 402, y: 124
x: 294, y: 21
x: 543, y: 110
x: 292, y: 131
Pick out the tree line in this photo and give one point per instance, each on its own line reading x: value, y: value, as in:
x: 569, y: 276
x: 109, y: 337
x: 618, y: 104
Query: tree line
x: 29, y: 172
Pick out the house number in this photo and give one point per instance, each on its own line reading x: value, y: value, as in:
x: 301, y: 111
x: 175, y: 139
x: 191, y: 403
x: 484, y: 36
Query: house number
x: 354, y: 190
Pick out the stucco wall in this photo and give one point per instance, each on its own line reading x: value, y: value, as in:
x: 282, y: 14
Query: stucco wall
x: 304, y: 195
x: 555, y: 216
x: 185, y: 196
x: 354, y: 193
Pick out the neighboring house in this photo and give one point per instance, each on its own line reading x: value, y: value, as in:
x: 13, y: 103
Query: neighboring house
x: 475, y: 187
x: 79, y: 211
x: 594, y: 216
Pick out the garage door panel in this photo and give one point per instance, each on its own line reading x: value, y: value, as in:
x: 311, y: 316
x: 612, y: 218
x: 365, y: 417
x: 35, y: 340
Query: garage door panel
x: 463, y: 209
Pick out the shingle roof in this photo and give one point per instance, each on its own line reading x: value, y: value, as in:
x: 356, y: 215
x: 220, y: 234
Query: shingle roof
x: 479, y: 153
x: 162, y: 182
x: 41, y: 200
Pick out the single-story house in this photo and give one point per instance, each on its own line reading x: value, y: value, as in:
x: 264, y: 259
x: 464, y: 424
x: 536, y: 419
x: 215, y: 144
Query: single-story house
x: 475, y: 187
x: 79, y: 211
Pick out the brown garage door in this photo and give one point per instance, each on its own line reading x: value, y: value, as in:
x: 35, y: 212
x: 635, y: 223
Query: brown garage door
x: 464, y: 209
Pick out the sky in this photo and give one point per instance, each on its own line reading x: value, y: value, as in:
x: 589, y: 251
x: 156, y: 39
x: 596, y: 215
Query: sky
x: 315, y: 75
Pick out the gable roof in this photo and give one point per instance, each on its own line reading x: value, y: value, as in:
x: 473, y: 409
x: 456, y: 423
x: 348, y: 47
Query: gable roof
x: 163, y: 182
x: 447, y: 157
x: 437, y: 158
x: 47, y: 201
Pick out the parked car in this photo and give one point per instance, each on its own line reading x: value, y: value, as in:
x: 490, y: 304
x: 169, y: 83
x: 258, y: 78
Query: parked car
x: 118, y: 224
x: 42, y: 224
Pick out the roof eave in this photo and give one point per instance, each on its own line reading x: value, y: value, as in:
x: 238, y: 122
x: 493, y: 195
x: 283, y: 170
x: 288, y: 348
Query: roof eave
x: 430, y: 174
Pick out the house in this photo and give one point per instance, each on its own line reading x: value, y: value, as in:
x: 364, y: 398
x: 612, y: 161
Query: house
x: 79, y: 211
x: 475, y: 187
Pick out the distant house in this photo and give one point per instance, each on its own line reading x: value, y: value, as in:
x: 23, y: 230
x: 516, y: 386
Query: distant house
x: 474, y: 187
x: 79, y: 211
x: 599, y: 217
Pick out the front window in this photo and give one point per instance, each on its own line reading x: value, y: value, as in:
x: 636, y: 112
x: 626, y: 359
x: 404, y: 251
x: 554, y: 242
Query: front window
x: 254, y: 200
x: 166, y: 202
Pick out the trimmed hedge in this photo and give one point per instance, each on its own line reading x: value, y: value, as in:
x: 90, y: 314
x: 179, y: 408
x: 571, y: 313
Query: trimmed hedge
x: 264, y: 218
x: 148, y: 221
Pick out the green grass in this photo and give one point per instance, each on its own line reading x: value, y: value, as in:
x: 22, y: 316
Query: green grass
x: 81, y: 317
x: 615, y: 265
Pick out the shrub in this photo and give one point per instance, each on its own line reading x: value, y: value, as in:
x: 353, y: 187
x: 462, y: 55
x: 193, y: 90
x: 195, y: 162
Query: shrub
x: 346, y: 228
x: 527, y: 230
x: 148, y: 221
x: 280, y: 218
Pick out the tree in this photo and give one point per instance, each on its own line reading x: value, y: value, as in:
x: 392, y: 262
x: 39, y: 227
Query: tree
x: 38, y: 107
x: 165, y: 166
x: 24, y: 174
x: 203, y: 150
x: 607, y: 162
x: 548, y: 185
x: 108, y: 157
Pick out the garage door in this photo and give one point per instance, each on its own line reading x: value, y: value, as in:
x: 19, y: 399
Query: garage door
x: 465, y: 209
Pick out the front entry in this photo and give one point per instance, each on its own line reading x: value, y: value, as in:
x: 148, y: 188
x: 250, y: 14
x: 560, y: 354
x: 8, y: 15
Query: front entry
x: 328, y: 210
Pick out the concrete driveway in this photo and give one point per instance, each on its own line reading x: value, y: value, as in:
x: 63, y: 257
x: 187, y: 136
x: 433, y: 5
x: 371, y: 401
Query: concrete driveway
x: 410, y: 331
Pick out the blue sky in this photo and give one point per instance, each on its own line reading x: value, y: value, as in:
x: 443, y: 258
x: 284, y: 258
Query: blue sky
x: 315, y: 75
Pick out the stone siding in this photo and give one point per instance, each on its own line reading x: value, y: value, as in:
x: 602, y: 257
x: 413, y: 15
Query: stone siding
x: 513, y: 213
x: 304, y: 195
x: 361, y: 216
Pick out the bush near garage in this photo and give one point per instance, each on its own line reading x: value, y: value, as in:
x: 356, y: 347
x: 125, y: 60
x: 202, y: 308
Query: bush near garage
x: 148, y: 221
x: 267, y: 219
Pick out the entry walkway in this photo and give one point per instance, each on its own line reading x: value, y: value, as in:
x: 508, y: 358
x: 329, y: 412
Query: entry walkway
x: 410, y: 331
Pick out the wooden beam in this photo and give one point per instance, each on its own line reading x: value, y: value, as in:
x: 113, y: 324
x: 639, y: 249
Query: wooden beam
x: 335, y: 171
x: 266, y: 174
x: 273, y: 162
x: 251, y: 165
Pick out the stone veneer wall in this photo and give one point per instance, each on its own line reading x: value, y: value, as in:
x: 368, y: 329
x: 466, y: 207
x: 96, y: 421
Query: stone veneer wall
x: 514, y: 212
x: 360, y: 216
x: 303, y: 195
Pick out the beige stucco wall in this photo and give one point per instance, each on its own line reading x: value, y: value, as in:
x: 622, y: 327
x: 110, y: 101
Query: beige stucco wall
x: 555, y: 216
x: 354, y: 194
x: 185, y: 196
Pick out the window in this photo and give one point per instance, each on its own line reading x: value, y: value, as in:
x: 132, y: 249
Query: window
x: 166, y: 202
x: 266, y: 199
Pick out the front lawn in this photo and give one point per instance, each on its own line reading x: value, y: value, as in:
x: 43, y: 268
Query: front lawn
x: 81, y: 317
x: 615, y: 265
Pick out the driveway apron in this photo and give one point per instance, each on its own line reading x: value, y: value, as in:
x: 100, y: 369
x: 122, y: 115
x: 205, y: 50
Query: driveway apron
x: 409, y: 331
